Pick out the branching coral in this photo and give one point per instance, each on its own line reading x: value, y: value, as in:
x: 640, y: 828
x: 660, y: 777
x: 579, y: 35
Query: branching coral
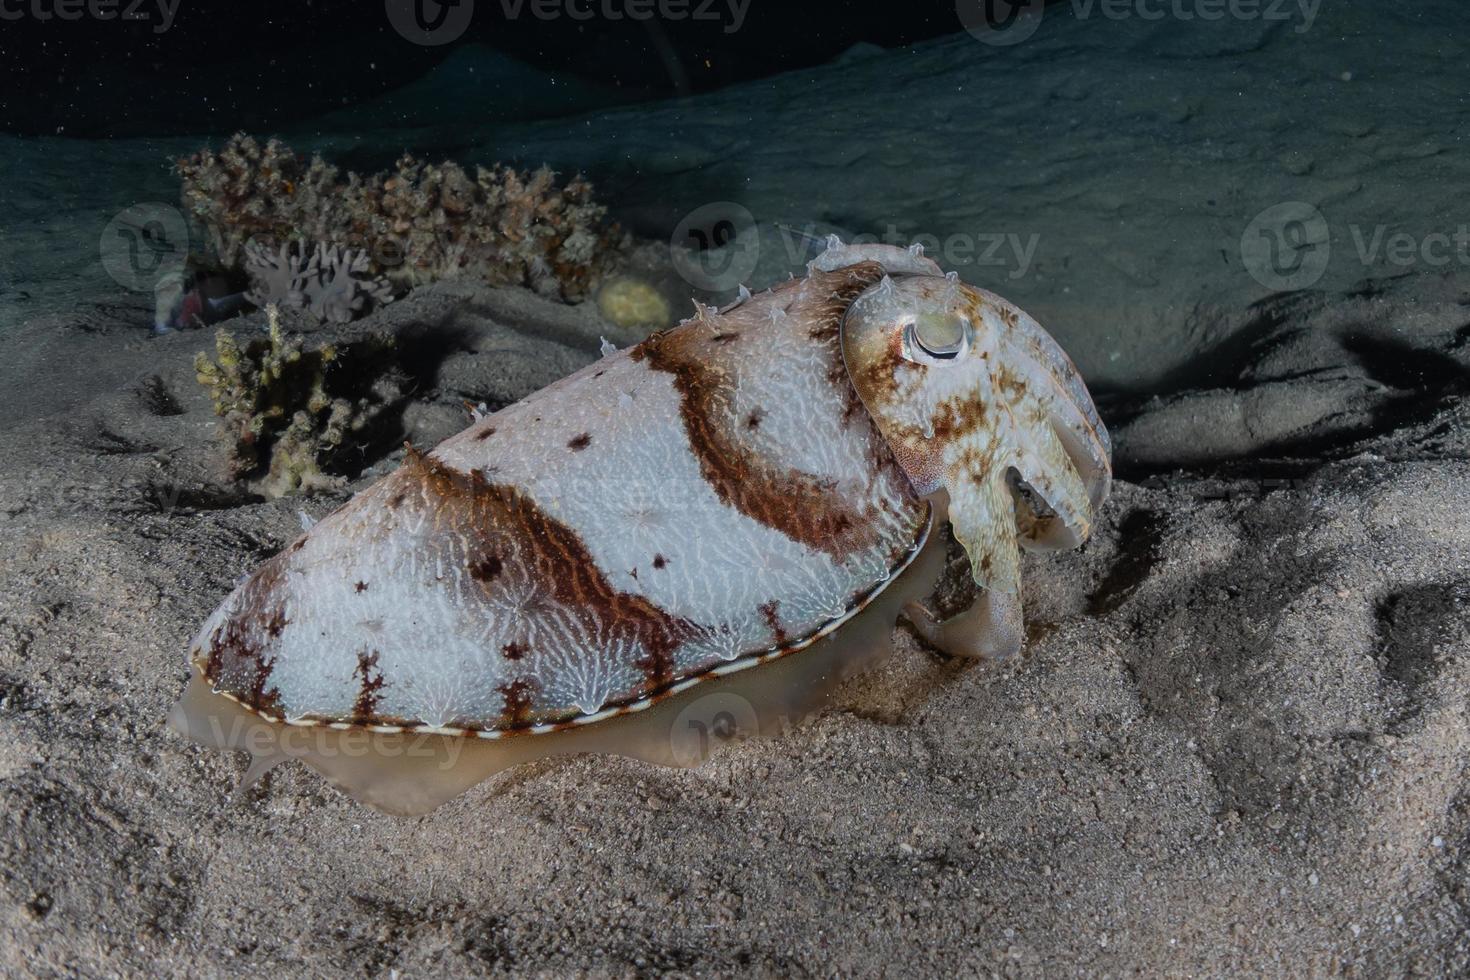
x: 292, y: 416
x: 334, y: 284
x: 419, y: 223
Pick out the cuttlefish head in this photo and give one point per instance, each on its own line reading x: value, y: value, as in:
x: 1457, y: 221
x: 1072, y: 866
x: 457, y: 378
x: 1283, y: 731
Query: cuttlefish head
x: 975, y: 399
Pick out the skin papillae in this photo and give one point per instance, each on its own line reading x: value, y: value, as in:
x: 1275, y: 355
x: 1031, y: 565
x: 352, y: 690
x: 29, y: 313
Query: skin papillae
x: 701, y: 535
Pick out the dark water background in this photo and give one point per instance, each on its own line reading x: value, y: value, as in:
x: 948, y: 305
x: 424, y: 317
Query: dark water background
x: 1139, y: 174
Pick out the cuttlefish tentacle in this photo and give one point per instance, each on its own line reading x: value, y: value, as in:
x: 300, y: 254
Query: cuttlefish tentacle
x: 993, y: 627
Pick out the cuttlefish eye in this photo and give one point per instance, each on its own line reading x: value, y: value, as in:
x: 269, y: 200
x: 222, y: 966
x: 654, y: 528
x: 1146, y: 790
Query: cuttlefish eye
x: 936, y: 336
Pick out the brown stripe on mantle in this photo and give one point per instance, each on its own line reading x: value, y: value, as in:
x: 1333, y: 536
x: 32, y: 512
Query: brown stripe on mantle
x: 804, y: 507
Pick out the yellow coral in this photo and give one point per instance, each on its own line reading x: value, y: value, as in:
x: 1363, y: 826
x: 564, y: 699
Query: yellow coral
x: 633, y: 303
x: 285, y: 413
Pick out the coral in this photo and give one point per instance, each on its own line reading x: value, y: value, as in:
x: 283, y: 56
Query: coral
x: 291, y: 415
x: 632, y: 302
x: 418, y: 223
x: 334, y: 284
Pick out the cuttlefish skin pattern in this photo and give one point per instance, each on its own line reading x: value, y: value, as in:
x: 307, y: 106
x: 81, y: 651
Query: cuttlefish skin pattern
x: 753, y: 483
x: 714, y: 494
